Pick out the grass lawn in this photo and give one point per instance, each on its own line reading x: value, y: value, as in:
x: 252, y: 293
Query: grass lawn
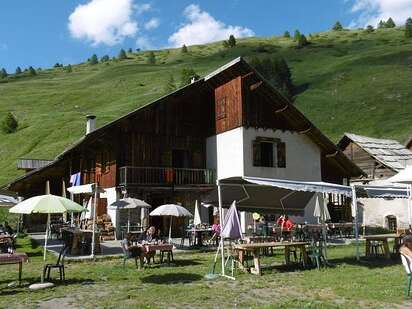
x: 106, y: 284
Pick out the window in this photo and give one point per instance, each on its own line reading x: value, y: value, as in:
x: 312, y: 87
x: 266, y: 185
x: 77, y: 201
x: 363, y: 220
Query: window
x: 221, y: 109
x: 269, y: 152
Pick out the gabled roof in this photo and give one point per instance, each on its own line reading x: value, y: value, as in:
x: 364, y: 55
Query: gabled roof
x: 388, y: 152
x: 233, y: 69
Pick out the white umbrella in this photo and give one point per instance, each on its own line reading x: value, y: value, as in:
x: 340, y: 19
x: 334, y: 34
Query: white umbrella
x: 46, y: 204
x: 321, y: 212
x: 405, y: 177
x: 197, y: 220
x: 129, y: 203
x: 171, y: 210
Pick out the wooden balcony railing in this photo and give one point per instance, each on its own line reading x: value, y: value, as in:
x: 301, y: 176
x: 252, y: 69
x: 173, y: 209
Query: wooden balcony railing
x: 131, y: 175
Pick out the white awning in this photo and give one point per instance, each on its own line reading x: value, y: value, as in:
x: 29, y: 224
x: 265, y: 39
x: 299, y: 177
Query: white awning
x: 85, y: 189
x: 306, y: 186
x: 367, y: 191
x: 6, y: 200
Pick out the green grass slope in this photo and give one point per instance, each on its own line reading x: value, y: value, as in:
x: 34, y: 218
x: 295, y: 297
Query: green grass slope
x: 354, y: 81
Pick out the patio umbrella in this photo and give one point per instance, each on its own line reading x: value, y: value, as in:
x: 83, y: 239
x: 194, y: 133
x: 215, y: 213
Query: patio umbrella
x: 46, y: 204
x: 405, y: 177
x: 197, y: 220
x: 171, y: 210
x: 129, y: 203
x: 321, y: 211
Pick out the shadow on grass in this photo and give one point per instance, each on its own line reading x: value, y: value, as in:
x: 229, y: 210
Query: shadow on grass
x: 171, y: 278
x: 372, y: 262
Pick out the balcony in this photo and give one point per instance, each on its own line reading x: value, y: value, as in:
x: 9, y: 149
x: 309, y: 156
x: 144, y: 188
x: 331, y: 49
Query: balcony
x: 166, y: 176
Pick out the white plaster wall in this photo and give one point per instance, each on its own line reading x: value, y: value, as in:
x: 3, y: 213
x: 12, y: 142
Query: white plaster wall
x: 224, y: 152
x: 374, y: 211
x: 302, y: 156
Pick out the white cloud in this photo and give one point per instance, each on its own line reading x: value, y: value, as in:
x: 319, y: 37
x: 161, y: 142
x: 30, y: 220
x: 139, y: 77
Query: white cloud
x: 103, y: 21
x: 152, y: 24
x: 202, y: 28
x: 141, y: 8
x: 372, y: 11
x: 144, y: 43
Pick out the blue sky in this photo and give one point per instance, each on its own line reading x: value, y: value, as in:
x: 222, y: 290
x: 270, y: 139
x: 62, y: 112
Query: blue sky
x: 42, y: 32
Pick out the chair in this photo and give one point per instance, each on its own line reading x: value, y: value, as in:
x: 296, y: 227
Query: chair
x: 376, y: 246
x: 316, y: 254
x: 407, y: 264
x: 134, y: 253
x: 59, y: 265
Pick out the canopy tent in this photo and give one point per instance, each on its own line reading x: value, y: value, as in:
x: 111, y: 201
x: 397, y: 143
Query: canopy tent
x: 129, y: 203
x: 91, y: 189
x: 266, y: 194
x: 405, y: 177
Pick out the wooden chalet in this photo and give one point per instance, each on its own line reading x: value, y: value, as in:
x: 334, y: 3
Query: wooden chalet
x: 169, y: 151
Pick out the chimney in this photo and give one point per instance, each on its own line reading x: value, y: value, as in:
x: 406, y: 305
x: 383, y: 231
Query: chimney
x: 91, y: 123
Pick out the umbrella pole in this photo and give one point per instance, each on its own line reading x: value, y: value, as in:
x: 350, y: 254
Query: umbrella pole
x: 355, y: 209
x: 46, y: 236
x: 409, y: 205
x: 219, y: 190
x: 128, y: 221
x: 323, y: 219
x: 170, y: 230
x: 94, y: 222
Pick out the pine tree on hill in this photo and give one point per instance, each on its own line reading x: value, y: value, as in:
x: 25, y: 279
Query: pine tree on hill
x: 302, y: 41
x: 69, y: 68
x: 369, y: 29
x: 18, y: 70
x: 390, y: 23
x: 122, y: 55
x: 3, y: 73
x: 130, y: 51
x: 408, y: 28
x: 93, y: 60
x: 9, y: 124
x: 286, y: 35
x: 151, y: 58
x: 381, y: 24
x: 184, y: 49
x: 232, y: 41
x: 32, y: 71
x: 337, y: 26
x: 296, y: 36
x: 105, y: 58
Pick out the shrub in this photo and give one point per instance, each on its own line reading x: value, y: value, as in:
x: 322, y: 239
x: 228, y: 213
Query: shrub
x: 337, y: 26
x: 232, y: 41
x: 122, y: 55
x: 151, y: 58
x: 3, y: 73
x: 369, y: 29
x: 9, y: 124
x: 184, y: 49
x: 286, y: 34
x: 93, y: 60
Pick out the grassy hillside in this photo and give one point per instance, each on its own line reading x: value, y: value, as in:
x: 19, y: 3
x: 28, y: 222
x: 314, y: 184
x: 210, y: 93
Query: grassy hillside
x: 354, y: 81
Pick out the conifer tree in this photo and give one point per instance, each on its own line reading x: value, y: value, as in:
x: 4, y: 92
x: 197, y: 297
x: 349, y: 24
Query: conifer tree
x: 122, y: 55
x: 69, y: 68
x: 390, y: 23
x: 9, y: 124
x: 302, y: 42
x: 32, y: 71
x: 18, y: 70
x: 105, y: 58
x: 187, y: 75
x: 130, y: 51
x: 408, y: 28
x: 337, y: 26
x: 369, y: 29
x: 381, y: 24
x: 3, y: 73
x: 151, y: 58
x: 232, y: 41
x: 296, y: 36
x: 286, y: 35
x: 93, y: 60
x: 184, y: 49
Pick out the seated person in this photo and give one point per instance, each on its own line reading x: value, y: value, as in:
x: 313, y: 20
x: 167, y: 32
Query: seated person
x: 285, y: 223
x: 149, y: 235
x: 406, y: 247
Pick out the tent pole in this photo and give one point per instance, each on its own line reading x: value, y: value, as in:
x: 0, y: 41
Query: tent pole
x: 46, y: 236
x: 128, y: 221
x: 94, y: 221
x: 219, y: 190
x: 170, y: 230
x: 355, y: 209
x: 409, y: 205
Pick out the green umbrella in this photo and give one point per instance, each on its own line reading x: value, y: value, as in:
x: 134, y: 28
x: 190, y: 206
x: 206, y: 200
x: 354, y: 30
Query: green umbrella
x: 46, y: 204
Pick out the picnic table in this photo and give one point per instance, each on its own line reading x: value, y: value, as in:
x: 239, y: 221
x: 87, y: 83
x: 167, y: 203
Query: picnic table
x: 147, y: 249
x: 255, y: 249
x: 383, y: 238
x: 15, y: 258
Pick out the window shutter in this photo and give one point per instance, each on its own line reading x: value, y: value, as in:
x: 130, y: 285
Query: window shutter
x: 281, y: 152
x: 256, y: 153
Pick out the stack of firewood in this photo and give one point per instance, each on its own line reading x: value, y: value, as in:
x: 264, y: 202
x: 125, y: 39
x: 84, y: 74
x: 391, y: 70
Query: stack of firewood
x: 106, y: 228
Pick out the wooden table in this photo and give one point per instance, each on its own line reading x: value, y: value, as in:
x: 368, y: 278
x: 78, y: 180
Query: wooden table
x: 384, y: 239
x: 16, y: 258
x: 255, y: 248
x: 148, y: 249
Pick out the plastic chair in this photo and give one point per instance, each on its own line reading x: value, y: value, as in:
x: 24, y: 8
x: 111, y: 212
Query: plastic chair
x: 316, y: 254
x: 59, y: 265
x: 407, y: 264
x: 376, y: 246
